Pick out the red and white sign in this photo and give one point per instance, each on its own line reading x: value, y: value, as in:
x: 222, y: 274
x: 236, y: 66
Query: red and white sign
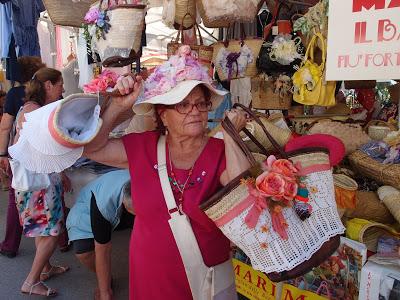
x: 363, y: 40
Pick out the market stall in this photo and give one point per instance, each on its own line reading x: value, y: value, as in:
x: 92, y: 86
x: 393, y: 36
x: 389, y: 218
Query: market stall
x: 315, y: 224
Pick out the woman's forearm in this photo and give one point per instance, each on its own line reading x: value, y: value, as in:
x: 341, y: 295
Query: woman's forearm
x: 236, y: 161
x: 109, y: 118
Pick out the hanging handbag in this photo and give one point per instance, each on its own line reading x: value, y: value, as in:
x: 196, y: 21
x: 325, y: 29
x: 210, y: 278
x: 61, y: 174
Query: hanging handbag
x: 271, y: 92
x: 206, y: 283
x: 204, y: 53
x: 236, y: 58
x: 120, y: 41
x: 224, y: 13
x: 283, y: 241
x: 310, y: 87
x: 67, y: 12
x: 283, y: 53
x: 24, y: 180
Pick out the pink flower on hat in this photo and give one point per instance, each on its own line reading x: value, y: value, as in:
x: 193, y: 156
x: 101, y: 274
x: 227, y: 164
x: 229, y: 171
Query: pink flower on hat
x: 180, y: 67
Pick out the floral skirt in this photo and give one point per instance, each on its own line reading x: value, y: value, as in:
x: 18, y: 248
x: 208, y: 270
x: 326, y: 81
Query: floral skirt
x: 41, y: 212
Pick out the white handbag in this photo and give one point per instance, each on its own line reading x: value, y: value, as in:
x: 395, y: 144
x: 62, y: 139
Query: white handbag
x: 24, y: 180
x: 206, y: 283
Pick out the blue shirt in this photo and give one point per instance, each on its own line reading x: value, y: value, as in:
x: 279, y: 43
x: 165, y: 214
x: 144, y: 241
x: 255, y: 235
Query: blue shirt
x: 108, y: 191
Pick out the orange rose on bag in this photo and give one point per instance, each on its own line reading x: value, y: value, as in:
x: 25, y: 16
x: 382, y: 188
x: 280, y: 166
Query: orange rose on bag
x: 271, y: 184
x: 284, y: 167
x: 290, y: 190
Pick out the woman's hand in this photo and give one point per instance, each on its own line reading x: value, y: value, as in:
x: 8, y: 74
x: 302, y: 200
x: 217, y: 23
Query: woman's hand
x: 130, y: 88
x: 238, y: 118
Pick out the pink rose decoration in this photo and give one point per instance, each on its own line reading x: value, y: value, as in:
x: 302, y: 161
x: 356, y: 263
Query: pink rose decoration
x: 284, y: 167
x: 290, y: 190
x: 92, y: 15
x: 184, y: 50
x: 271, y: 184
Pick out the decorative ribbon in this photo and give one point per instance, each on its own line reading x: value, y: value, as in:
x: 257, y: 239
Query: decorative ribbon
x: 230, y: 60
x: 259, y: 204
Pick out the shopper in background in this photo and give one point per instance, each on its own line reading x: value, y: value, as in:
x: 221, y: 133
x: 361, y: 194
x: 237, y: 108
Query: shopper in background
x: 97, y: 212
x: 41, y: 212
x: 28, y: 65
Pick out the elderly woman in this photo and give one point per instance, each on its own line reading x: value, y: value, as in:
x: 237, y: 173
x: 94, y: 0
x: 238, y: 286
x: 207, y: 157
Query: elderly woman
x: 197, y: 167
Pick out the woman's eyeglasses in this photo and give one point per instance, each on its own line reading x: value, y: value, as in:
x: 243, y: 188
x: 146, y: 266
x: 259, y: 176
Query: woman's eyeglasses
x: 186, y: 107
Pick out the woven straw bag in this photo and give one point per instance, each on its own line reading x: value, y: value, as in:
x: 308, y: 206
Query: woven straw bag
x: 345, y: 191
x: 244, y: 51
x: 204, y: 53
x: 318, y: 235
x: 280, y: 135
x: 377, y: 130
x: 224, y: 13
x: 388, y: 174
x: 183, y: 7
x: 67, y: 12
x: 124, y: 39
x: 351, y: 134
x: 265, y: 95
x: 370, y: 208
x: 367, y: 232
x: 391, y: 198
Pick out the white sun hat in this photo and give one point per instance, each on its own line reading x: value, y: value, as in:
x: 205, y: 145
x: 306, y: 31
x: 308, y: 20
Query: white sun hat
x: 171, y: 82
x: 53, y: 136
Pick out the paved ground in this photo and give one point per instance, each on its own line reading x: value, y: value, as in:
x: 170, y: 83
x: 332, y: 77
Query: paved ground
x: 78, y: 283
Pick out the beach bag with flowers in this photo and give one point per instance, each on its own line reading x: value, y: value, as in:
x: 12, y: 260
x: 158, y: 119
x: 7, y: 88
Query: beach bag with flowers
x: 282, y: 213
x: 114, y: 30
x: 309, y: 85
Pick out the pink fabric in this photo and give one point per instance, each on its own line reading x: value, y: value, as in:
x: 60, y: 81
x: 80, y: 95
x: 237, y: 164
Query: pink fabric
x: 156, y: 268
x: 313, y: 169
x: 59, y: 63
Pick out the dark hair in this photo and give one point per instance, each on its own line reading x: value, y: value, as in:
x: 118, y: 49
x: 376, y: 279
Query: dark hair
x: 2, y: 93
x: 29, y: 65
x: 35, y: 90
x: 161, y: 107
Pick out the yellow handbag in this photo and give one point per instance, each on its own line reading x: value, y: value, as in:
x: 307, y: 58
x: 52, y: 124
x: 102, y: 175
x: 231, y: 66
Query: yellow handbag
x: 310, y: 87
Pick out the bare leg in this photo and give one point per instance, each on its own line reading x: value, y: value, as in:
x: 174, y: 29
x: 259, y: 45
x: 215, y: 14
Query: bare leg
x: 45, y: 247
x: 88, y: 259
x: 103, y: 270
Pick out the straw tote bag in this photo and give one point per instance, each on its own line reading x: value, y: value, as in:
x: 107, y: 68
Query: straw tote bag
x: 183, y: 7
x: 123, y: 41
x: 256, y: 228
x: 236, y: 58
x: 67, y: 12
x: 271, y: 93
x: 204, y: 53
x: 223, y: 13
x: 314, y: 91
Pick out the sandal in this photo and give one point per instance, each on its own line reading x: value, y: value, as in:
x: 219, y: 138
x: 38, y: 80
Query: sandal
x: 50, y: 292
x: 53, y: 272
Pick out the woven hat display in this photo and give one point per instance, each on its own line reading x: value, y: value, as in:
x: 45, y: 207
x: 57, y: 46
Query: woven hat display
x: 367, y: 232
x: 388, y: 174
x: 391, y: 198
x: 67, y: 12
x: 65, y: 126
x: 352, y: 135
x: 369, y: 207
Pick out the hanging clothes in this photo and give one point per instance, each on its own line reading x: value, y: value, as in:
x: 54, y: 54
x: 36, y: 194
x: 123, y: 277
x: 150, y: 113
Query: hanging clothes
x: 25, y: 18
x: 12, y: 68
x: 46, y: 34
x: 5, y: 28
x: 241, y: 91
x: 85, y: 69
x: 71, y: 78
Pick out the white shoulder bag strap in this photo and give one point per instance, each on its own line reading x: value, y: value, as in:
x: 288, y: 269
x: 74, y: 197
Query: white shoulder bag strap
x: 202, y: 279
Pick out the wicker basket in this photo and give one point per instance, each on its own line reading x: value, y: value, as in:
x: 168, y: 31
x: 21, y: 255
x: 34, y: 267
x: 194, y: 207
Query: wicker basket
x: 378, y: 130
x: 124, y: 38
x: 67, y: 12
x: 367, y: 232
x: 369, y: 167
x: 345, y: 191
